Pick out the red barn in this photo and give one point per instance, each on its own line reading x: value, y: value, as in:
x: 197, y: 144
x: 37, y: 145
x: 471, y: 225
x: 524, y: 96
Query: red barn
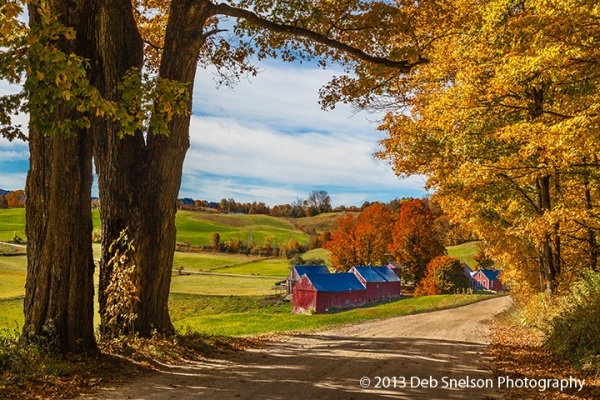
x: 382, y: 283
x: 297, y: 271
x: 322, y: 292
x: 487, y: 279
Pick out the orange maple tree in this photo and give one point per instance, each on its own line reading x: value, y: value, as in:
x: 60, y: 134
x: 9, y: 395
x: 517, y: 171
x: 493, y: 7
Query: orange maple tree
x: 15, y: 199
x: 444, y: 275
x: 362, y: 240
x: 416, y: 239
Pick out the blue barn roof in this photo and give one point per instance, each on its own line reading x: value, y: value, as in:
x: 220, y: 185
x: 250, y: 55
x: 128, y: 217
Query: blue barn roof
x: 311, y: 269
x: 377, y: 274
x: 335, y: 282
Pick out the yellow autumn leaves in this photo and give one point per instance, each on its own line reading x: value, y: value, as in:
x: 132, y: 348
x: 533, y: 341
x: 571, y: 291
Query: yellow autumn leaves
x: 503, y: 121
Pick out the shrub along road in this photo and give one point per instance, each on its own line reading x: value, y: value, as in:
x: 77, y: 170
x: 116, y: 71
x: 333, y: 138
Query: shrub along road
x: 416, y: 356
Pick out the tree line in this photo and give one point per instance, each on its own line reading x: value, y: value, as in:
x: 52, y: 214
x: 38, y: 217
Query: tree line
x: 13, y: 199
x: 317, y: 202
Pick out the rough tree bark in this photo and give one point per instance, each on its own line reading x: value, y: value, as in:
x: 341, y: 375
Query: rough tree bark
x: 163, y: 170
x: 59, y: 290
x: 117, y: 48
x: 139, y: 179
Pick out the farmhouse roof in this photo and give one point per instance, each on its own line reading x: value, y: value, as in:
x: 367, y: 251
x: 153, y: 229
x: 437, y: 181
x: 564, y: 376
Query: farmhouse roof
x: 377, y: 274
x: 311, y: 269
x: 491, y: 274
x: 335, y: 282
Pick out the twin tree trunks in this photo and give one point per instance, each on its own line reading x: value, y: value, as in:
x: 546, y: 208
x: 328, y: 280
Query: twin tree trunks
x: 139, y: 180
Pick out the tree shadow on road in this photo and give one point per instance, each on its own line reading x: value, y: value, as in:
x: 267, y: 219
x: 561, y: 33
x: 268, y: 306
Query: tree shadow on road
x: 328, y: 367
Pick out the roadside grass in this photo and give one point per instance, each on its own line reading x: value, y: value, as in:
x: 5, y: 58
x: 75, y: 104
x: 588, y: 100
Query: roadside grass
x: 12, y: 221
x: 240, y: 316
x: 465, y: 252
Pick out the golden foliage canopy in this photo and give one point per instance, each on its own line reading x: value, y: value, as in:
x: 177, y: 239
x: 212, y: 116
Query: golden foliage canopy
x: 503, y: 121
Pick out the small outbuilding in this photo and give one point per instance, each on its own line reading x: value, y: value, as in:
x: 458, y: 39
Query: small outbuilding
x: 381, y: 283
x: 487, y: 279
x: 319, y: 293
x: 298, y: 271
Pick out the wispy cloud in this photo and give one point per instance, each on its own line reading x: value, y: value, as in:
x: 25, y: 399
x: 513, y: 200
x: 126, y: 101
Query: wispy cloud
x: 271, y: 130
x: 268, y: 140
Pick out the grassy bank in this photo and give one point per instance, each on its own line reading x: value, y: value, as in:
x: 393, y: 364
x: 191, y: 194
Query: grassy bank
x: 238, y: 316
x: 252, y: 315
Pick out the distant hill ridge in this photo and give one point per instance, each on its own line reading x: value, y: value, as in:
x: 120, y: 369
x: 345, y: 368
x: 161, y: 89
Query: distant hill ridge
x: 4, y: 192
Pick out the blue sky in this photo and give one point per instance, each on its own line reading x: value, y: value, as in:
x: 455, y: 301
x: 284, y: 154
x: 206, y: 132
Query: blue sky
x: 268, y: 140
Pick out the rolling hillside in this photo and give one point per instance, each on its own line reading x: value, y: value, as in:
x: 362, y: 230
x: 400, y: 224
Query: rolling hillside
x: 197, y: 227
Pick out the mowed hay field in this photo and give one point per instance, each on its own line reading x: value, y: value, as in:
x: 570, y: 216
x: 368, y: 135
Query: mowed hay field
x: 196, y: 228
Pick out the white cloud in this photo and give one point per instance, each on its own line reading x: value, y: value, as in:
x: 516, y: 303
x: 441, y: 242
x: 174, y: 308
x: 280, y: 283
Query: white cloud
x: 13, y: 181
x: 281, y: 162
x: 268, y: 140
x: 271, y: 132
x: 283, y: 96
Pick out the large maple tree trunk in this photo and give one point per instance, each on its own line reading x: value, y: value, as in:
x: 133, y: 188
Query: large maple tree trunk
x: 118, y: 48
x: 139, y: 178
x: 156, y: 234
x: 59, y: 290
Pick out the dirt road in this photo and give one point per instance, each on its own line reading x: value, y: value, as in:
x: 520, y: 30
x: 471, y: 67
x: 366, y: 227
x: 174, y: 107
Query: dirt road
x: 439, y: 355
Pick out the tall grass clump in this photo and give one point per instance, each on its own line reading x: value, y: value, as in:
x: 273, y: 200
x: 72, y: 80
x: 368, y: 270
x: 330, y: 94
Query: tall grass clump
x: 573, y: 332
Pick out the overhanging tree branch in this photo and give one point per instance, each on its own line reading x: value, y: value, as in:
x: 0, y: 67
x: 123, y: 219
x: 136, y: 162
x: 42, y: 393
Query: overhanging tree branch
x: 225, y: 9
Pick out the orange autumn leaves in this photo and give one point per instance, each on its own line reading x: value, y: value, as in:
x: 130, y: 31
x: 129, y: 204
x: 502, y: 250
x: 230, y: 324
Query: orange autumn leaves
x: 378, y: 236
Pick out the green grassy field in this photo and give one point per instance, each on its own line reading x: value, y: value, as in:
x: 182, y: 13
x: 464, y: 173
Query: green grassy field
x: 465, y: 252
x: 321, y: 222
x: 271, y: 267
x: 197, y: 228
x: 222, y: 285
x: 12, y: 276
x: 209, y: 261
x: 193, y: 227
x: 12, y: 221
